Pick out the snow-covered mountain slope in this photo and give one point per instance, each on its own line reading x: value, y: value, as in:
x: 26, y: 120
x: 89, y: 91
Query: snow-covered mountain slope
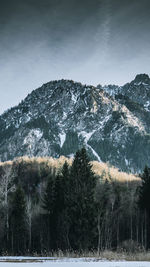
x: 62, y: 116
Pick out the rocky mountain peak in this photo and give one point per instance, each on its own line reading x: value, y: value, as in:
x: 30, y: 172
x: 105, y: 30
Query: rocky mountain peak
x: 59, y: 90
x: 63, y: 86
x: 142, y: 78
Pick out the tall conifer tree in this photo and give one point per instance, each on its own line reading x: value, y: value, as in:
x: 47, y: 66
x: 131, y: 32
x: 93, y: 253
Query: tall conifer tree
x: 82, y: 186
x: 18, y: 222
x: 144, y: 194
x: 49, y: 203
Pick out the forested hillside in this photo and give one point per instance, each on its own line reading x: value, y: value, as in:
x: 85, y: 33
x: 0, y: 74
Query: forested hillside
x: 46, y: 207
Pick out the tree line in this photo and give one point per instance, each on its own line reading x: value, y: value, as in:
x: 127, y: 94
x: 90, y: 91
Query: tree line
x: 43, y: 210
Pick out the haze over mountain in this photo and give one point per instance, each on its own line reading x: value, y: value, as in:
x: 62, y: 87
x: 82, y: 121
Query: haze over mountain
x: 112, y: 122
x: 98, y: 41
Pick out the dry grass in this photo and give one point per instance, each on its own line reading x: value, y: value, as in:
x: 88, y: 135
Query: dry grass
x: 104, y: 168
x: 88, y: 256
x: 98, y: 168
x: 105, y: 255
x: 139, y: 256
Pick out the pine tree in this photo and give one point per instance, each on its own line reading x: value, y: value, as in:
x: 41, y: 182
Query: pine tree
x: 66, y: 179
x: 49, y: 203
x: 49, y: 196
x: 60, y: 216
x: 102, y: 198
x: 82, y: 186
x: 62, y: 207
x: 144, y: 203
x: 18, y: 222
x: 144, y: 193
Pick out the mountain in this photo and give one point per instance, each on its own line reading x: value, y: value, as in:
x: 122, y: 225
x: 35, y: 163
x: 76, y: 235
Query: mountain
x: 61, y: 116
x: 138, y: 90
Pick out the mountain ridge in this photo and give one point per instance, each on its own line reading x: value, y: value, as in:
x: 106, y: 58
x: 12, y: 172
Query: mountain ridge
x: 62, y: 116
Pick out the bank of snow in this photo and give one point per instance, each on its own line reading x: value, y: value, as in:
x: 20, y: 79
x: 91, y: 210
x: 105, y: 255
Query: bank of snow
x: 66, y: 262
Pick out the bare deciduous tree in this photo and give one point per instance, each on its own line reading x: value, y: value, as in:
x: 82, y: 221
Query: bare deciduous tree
x: 6, y: 186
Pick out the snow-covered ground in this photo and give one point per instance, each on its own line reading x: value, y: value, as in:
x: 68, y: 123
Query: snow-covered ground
x: 68, y: 262
x: 79, y: 264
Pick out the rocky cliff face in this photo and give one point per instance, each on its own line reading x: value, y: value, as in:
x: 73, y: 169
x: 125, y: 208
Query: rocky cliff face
x: 113, y: 123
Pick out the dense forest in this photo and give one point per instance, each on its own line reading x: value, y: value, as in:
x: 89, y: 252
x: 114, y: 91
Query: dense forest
x: 43, y: 210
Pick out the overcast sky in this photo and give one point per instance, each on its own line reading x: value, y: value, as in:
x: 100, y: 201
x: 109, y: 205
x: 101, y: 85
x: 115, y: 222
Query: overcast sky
x: 90, y: 41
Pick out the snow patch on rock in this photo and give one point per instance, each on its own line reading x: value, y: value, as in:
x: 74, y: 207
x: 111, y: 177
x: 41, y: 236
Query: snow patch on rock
x: 147, y: 106
x: 86, y: 137
x: 62, y: 137
x: 32, y: 135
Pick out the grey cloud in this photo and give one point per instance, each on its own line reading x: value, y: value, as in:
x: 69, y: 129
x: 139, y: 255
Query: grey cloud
x: 92, y: 41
